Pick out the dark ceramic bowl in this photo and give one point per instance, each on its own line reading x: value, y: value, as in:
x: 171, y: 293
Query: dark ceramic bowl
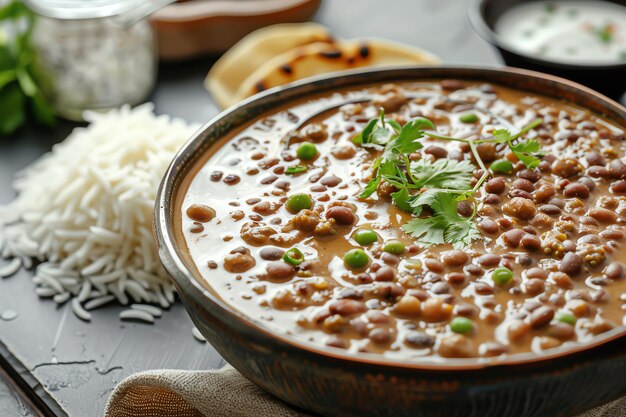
x: 608, y: 79
x: 329, y: 381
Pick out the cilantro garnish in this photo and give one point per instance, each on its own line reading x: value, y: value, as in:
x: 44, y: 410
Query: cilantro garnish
x: 527, y: 151
x: 443, y: 173
x: 445, y: 225
x: 397, y: 143
x: 604, y: 33
x: 439, y: 185
x: 19, y: 91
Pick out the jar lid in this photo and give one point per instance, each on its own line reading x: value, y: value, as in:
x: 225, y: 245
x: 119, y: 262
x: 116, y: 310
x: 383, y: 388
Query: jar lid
x: 90, y: 9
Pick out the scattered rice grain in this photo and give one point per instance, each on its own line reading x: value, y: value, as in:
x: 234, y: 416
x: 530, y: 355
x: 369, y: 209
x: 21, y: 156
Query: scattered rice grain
x: 155, y: 311
x: 137, y: 315
x: 198, y: 335
x: 61, y: 298
x: 11, y: 268
x: 80, y: 312
x: 99, y: 301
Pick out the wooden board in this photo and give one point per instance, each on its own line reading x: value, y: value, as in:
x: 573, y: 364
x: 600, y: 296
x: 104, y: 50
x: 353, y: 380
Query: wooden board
x: 70, y: 367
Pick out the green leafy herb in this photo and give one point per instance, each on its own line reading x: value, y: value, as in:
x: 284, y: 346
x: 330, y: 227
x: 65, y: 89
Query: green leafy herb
x: 527, y: 151
x: 295, y: 169
x: 11, y: 108
x: 443, y: 173
x: 604, y: 33
x: 18, y: 88
x: 405, y: 141
x: 397, y: 143
x: 402, y: 199
x: 445, y: 225
x: 439, y: 185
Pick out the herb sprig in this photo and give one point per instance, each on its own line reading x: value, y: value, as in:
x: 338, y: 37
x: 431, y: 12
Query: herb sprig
x: 18, y: 88
x: 439, y: 185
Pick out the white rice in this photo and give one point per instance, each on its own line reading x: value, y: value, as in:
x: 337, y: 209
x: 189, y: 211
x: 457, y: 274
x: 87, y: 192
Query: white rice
x: 141, y: 315
x: 98, y: 301
x: 155, y: 311
x: 11, y: 268
x: 80, y: 312
x: 196, y: 333
x: 84, y: 211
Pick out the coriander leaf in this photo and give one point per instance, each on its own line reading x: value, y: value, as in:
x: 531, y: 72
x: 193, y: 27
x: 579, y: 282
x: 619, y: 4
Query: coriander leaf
x: 528, y: 127
x: 402, y: 199
x: 394, y: 175
x: 7, y: 59
x: 462, y: 233
x: 364, y: 136
x: 394, y: 125
x: 388, y: 167
x: 443, y: 173
x: 13, y: 10
x: 445, y: 225
x: 381, y: 135
x: 42, y: 110
x: 528, y: 151
x: 6, y: 77
x: 426, y: 198
x: 26, y: 82
x: 18, y: 85
x: 373, y: 134
x: 414, y: 129
x: 405, y: 141
x: 11, y: 108
x: 295, y: 169
x: 371, y: 187
x: 428, y: 230
x: 382, y: 168
x: 502, y: 135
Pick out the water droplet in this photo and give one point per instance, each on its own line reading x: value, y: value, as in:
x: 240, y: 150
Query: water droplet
x: 8, y: 315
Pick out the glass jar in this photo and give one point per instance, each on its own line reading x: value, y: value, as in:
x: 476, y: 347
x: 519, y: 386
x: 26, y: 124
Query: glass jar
x: 93, y: 64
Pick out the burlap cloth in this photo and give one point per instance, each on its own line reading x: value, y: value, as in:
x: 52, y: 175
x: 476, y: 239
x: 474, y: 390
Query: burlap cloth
x: 222, y: 393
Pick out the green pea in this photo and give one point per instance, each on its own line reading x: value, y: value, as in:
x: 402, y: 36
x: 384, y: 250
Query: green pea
x: 502, y: 276
x: 306, y: 151
x: 394, y: 246
x: 365, y: 237
x: 469, y: 118
x: 461, y: 325
x: 566, y: 318
x: 293, y: 256
x: 298, y: 202
x: 356, y: 258
x: 502, y: 166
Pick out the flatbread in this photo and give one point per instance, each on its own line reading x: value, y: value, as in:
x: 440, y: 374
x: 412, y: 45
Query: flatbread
x: 322, y: 57
x: 253, y: 51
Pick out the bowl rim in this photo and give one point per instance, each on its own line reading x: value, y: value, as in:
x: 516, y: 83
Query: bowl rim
x: 476, y: 17
x: 183, y: 277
